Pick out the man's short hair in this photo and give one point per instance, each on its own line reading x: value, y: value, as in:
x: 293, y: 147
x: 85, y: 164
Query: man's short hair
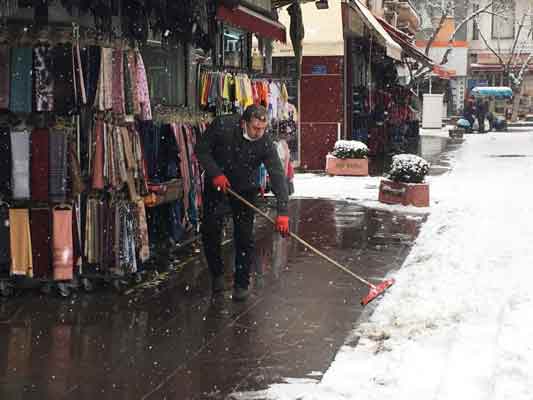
x: 255, y: 112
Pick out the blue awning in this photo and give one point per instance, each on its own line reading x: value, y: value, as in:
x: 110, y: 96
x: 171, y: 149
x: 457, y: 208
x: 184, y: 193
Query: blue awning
x: 500, y: 92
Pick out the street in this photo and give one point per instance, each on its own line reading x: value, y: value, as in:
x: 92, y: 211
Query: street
x: 153, y: 344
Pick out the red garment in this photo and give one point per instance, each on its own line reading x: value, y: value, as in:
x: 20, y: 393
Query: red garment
x: 40, y: 239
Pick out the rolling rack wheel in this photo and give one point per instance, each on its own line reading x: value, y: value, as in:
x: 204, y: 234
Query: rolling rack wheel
x: 63, y: 289
x: 87, y: 285
x: 6, y: 289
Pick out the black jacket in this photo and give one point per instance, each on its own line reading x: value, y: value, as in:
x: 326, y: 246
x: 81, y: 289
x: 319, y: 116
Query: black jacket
x: 222, y: 149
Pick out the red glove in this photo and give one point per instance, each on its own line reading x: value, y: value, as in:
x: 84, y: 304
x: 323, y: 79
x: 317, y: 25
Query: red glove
x: 282, y: 225
x: 221, y: 183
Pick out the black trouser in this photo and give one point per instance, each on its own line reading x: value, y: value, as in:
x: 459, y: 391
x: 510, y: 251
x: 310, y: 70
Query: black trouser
x: 481, y: 122
x: 243, y: 233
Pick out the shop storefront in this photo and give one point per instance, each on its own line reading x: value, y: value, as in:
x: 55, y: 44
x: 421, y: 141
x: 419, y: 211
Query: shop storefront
x: 382, y: 109
x: 99, y: 114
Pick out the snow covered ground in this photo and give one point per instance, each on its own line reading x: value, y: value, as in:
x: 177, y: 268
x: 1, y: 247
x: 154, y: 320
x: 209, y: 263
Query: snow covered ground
x: 458, y: 323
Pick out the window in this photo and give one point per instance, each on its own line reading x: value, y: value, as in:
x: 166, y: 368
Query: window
x: 503, y: 20
x: 475, y: 27
x: 166, y: 71
x: 235, y: 45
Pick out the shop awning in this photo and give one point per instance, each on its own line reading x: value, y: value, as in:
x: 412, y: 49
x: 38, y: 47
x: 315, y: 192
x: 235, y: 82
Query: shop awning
x: 251, y: 21
x: 443, y: 73
x: 500, y: 92
x: 475, y: 67
x: 356, y: 9
x: 405, y: 42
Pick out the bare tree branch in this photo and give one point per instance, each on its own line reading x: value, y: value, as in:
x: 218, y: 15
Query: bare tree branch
x: 460, y: 26
x: 517, y: 37
x: 489, y: 46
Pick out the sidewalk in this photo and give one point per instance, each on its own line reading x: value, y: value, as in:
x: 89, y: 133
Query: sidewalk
x: 458, y: 323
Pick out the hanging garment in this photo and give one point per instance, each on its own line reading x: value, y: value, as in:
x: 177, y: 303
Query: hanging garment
x: 104, y: 92
x: 118, y: 82
x: 65, y: 103
x: 5, y: 161
x: 91, y: 69
x: 20, y: 158
x: 20, y: 242
x: 142, y: 231
x: 40, y: 239
x: 77, y: 184
x: 5, y: 56
x: 58, y: 166
x: 98, y: 159
x: 125, y: 232
x: 132, y: 71
x: 63, y: 247
x: 150, y: 145
x: 79, y: 79
x: 142, y: 90
x: 43, y: 68
x: 21, y: 80
x: 128, y: 86
x: 40, y: 154
x: 5, y: 255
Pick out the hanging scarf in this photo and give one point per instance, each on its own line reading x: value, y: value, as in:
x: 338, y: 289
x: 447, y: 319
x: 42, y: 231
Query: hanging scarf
x: 143, y: 92
x: 20, y: 153
x: 39, y: 164
x: 20, y: 242
x: 58, y: 172
x: 128, y: 86
x: 40, y: 239
x: 4, y: 76
x: 142, y: 231
x: 64, y: 99
x: 77, y: 184
x: 43, y: 78
x: 63, y: 247
x: 98, y: 159
x: 21, y: 80
x: 104, y: 93
x: 5, y: 161
x: 118, y: 81
x: 91, y: 69
x: 132, y: 71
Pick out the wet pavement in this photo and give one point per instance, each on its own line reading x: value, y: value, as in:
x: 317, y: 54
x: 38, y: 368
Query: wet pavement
x: 169, y: 341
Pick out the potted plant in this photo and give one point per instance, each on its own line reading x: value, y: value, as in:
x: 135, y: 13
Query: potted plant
x: 349, y: 157
x: 405, y: 183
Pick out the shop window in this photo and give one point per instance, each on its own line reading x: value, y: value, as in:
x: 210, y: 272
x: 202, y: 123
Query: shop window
x: 503, y: 21
x: 166, y: 71
x: 235, y: 45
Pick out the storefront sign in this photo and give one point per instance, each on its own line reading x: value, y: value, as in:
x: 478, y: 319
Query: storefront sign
x: 319, y: 70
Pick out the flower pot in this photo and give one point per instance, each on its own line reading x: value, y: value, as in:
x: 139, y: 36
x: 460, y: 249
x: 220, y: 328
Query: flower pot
x: 415, y: 194
x: 346, y: 166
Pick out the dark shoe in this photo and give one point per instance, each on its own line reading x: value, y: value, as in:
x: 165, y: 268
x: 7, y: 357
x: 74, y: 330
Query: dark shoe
x: 240, y: 294
x: 218, y: 284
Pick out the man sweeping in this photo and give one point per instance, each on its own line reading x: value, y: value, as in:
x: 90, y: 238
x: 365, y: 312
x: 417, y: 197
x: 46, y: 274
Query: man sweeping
x: 231, y: 151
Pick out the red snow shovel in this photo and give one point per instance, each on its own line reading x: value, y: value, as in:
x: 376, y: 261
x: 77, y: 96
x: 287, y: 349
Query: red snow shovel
x: 375, y: 290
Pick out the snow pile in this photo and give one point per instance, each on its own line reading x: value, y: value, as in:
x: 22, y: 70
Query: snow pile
x: 408, y: 168
x: 458, y: 323
x: 349, y: 149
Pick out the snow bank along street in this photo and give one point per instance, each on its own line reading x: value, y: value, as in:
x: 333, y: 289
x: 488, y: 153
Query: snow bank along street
x: 458, y: 323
